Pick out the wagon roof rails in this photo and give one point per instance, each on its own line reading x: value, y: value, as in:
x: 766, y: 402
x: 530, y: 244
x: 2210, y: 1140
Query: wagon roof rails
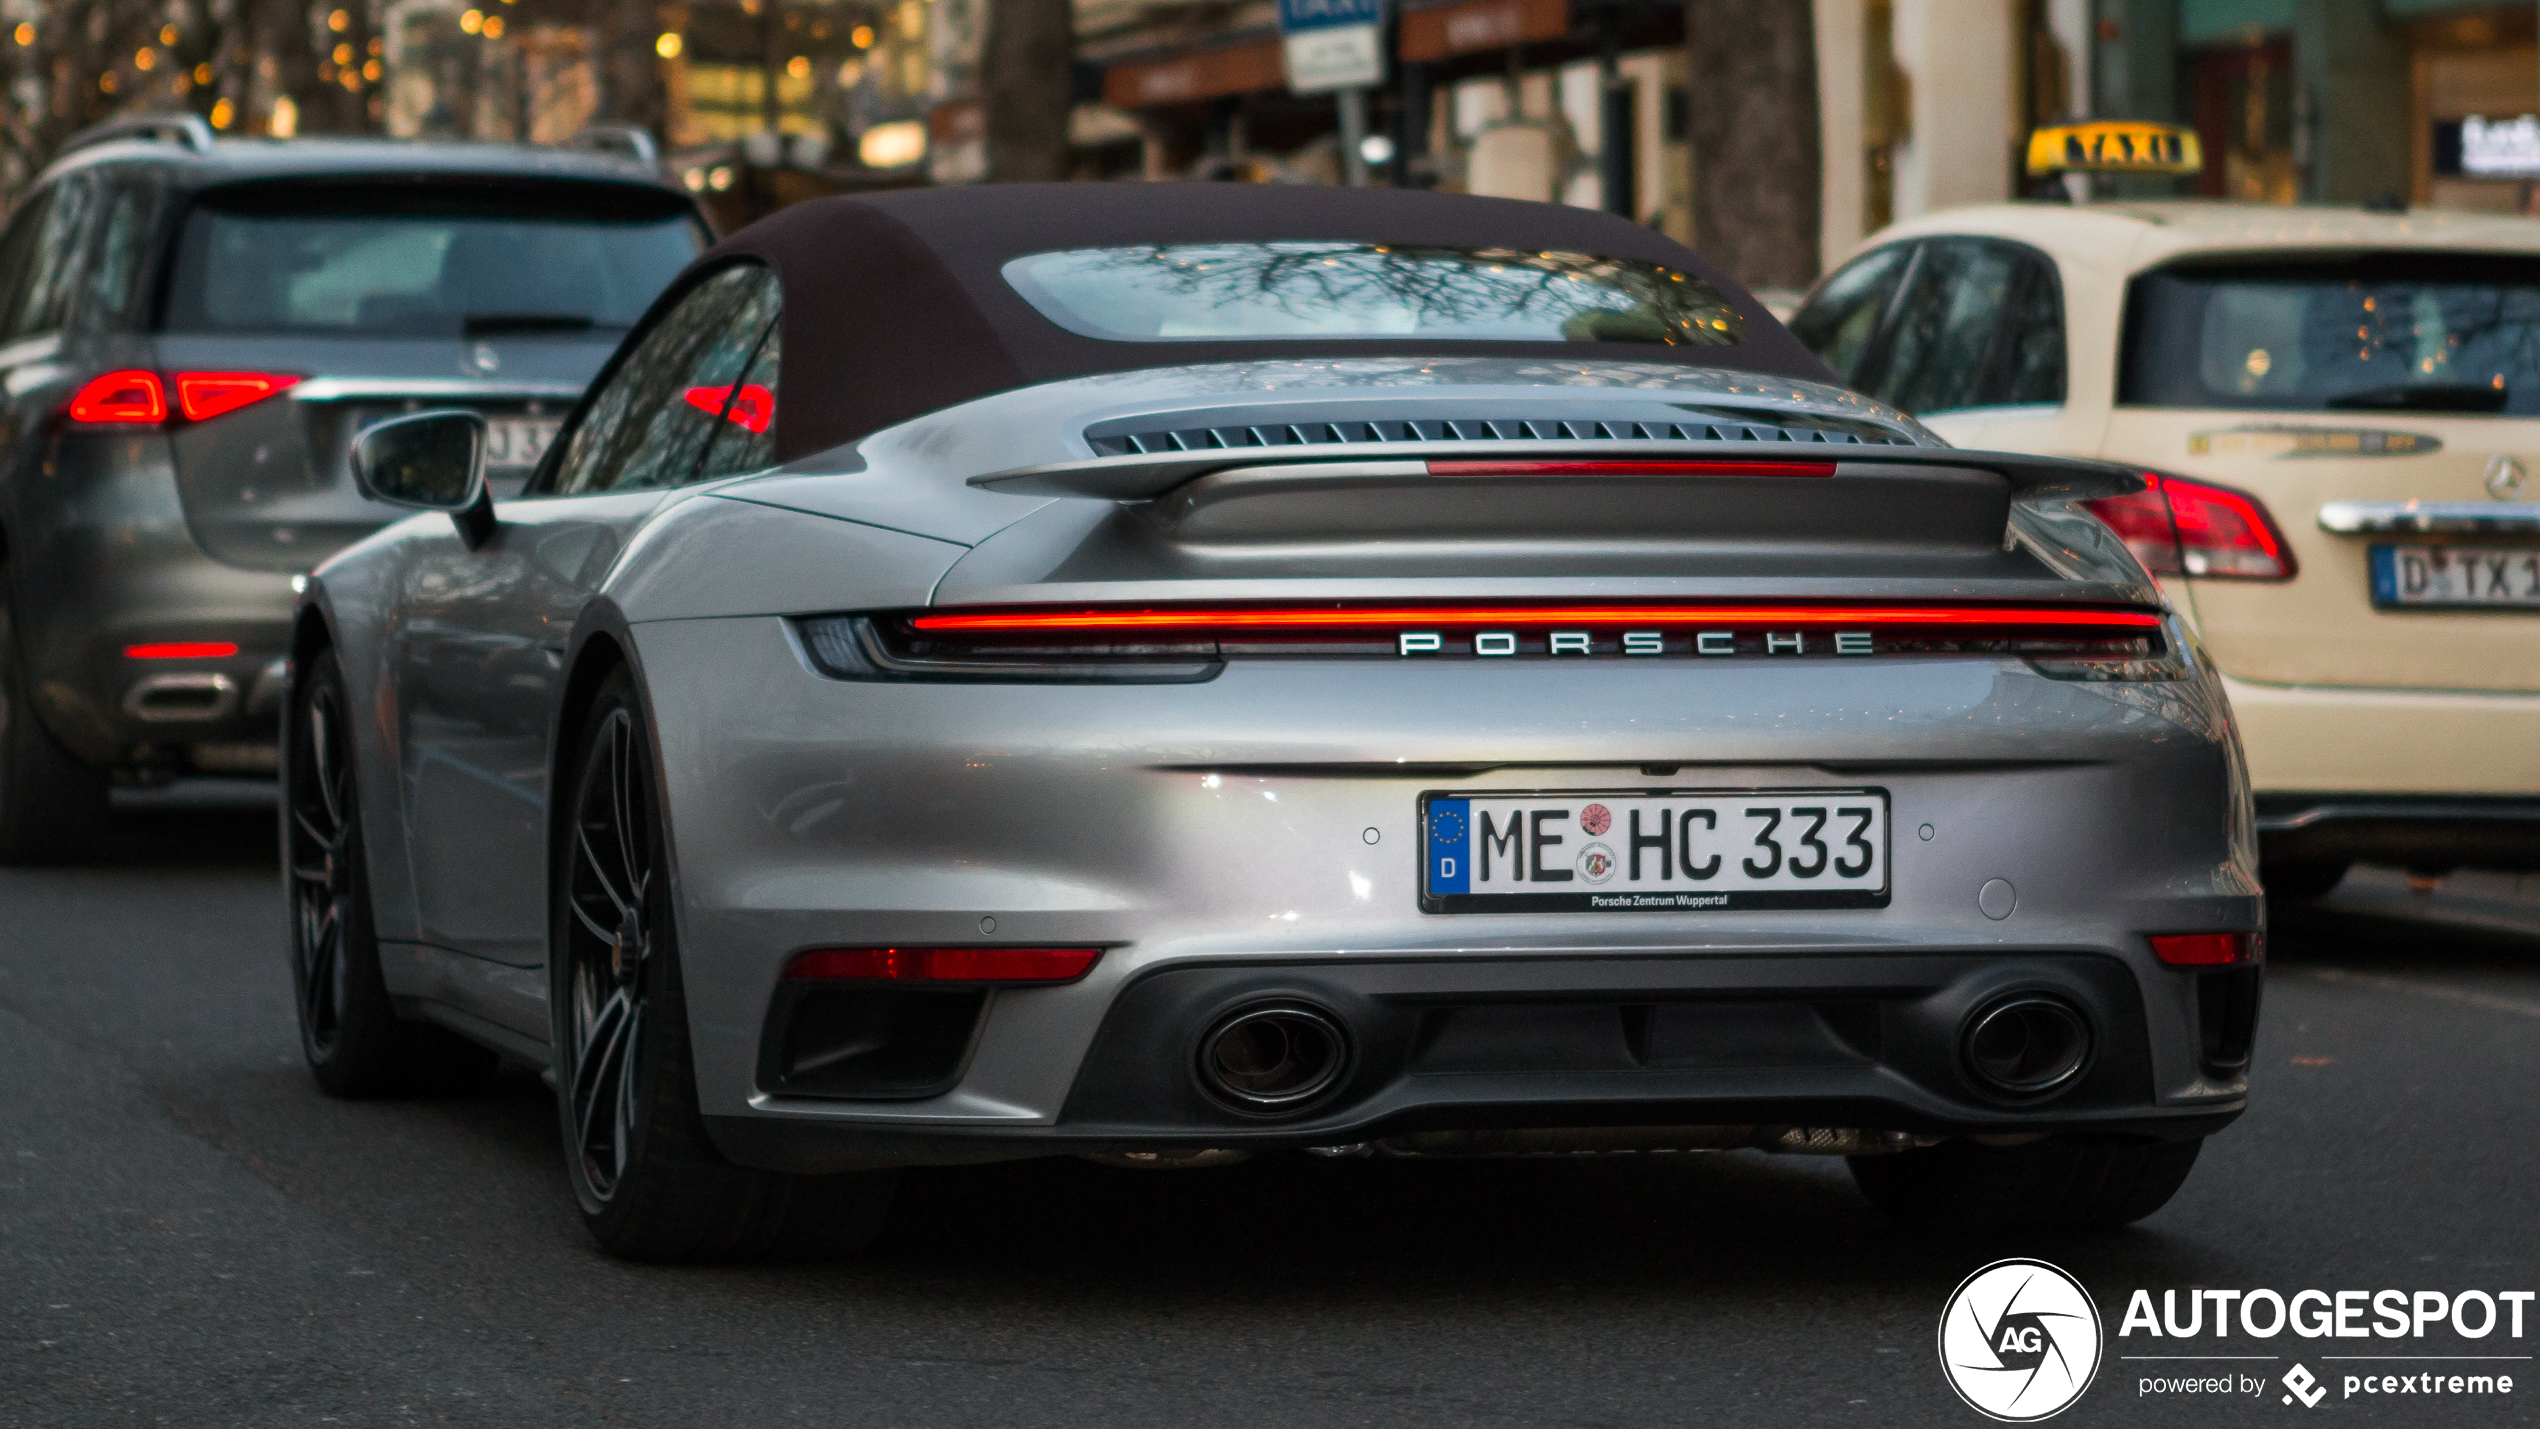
x: 631, y: 141
x: 187, y: 130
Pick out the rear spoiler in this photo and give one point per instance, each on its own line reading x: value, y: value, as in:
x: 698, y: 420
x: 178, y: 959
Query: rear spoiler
x: 1145, y: 476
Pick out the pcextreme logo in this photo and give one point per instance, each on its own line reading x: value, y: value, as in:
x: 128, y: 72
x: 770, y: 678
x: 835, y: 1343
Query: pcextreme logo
x: 2019, y: 1340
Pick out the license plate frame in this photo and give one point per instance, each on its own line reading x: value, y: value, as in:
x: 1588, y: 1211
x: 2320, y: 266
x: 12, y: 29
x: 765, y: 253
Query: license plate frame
x: 2420, y: 575
x: 1452, y: 890
x: 505, y: 437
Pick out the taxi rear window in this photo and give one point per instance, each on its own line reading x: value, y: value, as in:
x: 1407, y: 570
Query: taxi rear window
x: 2398, y: 332
x: 1250, y: 292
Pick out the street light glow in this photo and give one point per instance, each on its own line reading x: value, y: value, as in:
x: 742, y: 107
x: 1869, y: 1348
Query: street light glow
x: 892, y: 146
x: 669, y: 45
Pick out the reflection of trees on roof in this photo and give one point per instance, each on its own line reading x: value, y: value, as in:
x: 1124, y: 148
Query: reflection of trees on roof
x: 1585, y: 298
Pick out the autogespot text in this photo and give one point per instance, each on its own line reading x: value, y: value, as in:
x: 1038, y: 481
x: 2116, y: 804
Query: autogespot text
x: 2169, y: 1339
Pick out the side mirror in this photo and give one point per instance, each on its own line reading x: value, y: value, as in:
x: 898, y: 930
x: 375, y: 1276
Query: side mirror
x: 432, y: 460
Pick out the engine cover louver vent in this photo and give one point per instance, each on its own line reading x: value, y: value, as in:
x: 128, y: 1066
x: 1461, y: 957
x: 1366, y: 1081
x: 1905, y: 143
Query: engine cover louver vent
x: 1116, y: 442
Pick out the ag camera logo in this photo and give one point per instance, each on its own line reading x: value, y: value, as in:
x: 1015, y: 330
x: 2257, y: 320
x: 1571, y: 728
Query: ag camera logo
x: 2019, y: 1340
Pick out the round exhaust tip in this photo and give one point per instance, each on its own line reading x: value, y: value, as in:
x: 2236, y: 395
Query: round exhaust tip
x: 2025, y: 1046
x: 1273, y: 1057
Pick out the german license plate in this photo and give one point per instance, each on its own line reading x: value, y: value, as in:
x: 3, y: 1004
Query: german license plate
x: 2480, y: 577
x: 518, y: 441
x: 1663, y: 851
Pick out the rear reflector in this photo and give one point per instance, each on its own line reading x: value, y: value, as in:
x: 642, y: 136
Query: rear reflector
x: 182, y: 650
x: 2207, y: 950
x: 2180, y: 527
x: 943, y: 964
x: 1631, y: 468
x: 1256, y: 618
x: 120, y: 399
x: 202, y: 396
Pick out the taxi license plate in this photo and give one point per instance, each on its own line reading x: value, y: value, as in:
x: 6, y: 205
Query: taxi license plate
x: 518, y: 441
x: 1654, y: 851
x: 2479, y: 577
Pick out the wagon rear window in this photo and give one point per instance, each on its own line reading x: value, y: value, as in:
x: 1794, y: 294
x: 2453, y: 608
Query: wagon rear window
x: 427, y: 259
x: 1246, y: 292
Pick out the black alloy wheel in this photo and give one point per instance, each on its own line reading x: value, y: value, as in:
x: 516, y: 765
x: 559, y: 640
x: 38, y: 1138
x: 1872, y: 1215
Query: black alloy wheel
x: 52, y: 806
x: 320, y: 837
x: 649, y: 1181
x: 355, y: 1043
x: 609, y: 896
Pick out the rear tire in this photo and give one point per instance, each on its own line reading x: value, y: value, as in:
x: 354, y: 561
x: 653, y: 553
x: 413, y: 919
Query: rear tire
x: 2302, y: 882
x: 1965, y: 1186
x: 648, y: 1180
x: 52, y: 806
x: 355, y: 1043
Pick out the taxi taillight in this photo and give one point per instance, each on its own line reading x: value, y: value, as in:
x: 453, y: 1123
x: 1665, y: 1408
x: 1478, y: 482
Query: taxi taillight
x: 2176, y: 526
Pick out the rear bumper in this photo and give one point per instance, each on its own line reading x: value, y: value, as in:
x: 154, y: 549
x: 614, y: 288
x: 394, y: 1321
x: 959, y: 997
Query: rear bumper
x: 2433, y: 779
x: 1256, y: 835
x: 107, y: 562
x: 2330, y: 740
x: 1741, y: 1048
x: 2434, y: 833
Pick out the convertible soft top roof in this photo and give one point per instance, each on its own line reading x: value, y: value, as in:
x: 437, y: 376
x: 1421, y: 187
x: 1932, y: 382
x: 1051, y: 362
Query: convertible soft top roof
x: 895, y: 305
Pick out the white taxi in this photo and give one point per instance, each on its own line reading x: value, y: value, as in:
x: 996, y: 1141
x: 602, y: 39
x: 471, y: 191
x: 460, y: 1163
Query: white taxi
x: 2341, y: 408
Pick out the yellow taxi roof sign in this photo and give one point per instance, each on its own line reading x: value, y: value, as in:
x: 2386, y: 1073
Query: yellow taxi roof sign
x: 2115, y: 146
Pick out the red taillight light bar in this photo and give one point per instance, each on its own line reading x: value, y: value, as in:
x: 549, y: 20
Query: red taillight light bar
x: 2176, y: 526
x: 2062, y: 619
x: 2208, y: 950
x: 182, y: 650
x: 136, y: 397
x: 1631, y: 468
x: 118, y: 399
x: 202, y: 396
x: 1008, y: 965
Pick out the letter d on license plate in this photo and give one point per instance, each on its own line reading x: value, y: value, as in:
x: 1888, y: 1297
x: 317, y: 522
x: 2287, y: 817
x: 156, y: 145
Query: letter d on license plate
x: 1653, y: 851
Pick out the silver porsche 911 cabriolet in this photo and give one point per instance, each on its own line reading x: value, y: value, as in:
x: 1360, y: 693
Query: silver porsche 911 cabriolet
x: 1177, y: 672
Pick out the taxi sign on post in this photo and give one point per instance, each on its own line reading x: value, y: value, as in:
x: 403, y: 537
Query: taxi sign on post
x: 2115, y: 146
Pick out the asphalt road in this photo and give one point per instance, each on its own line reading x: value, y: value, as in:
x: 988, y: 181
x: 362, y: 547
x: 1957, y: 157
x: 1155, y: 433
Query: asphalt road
x: 191, y: 1234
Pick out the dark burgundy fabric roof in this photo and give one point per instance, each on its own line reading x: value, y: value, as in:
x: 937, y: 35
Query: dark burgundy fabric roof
x: 895, y: 306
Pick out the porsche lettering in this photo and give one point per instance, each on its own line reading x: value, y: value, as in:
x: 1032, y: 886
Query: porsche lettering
x: 1508, y: 643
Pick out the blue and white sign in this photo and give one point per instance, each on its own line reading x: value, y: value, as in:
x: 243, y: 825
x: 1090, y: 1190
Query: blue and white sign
x: 1298, y: 16
x: 1333, y: 44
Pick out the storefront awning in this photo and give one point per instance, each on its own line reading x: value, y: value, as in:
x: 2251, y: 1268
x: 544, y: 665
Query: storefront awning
x: 1439, y: 32
x: 1207, y: 74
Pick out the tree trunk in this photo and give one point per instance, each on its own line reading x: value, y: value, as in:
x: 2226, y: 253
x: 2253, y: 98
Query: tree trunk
x: 1756, y: 152
x: 1027, y: 75
x: 630, y: 73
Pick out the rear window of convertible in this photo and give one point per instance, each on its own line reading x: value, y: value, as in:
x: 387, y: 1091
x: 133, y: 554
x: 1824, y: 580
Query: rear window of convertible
x: 1306, y: 290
